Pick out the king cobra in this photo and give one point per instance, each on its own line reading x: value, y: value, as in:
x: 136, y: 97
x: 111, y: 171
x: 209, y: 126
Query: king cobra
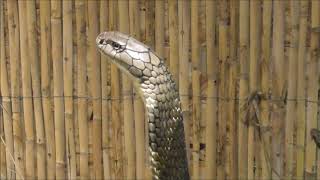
x: 155, y: 85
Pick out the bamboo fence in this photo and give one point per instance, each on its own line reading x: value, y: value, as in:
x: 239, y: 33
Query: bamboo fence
x: 247, y: 74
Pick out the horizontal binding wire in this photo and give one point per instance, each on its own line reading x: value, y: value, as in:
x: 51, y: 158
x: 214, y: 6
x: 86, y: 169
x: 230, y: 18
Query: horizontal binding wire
x: 130, y: 96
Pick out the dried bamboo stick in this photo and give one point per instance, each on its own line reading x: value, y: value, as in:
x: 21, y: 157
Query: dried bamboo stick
x: 3, y: 166
x: 139, y: 117
x: 115, y: 103
x: 196, y: 109
x: 127, y: 98
x: 312, y: 91
x: 212, y: 103
x: 264, y: 105
x: 223, y: 167
x: 232, y: 83
x: 292, y: 90
x: 56, y: 25
x: 6, y: 101
x: 277, y: 114
x: 301, y: 107
x: 159, y: 27
x: 35, y: 75
x: 173, y: 39
x: 184, y: 47
x: 243, y: 89
x: 68, y: 88
x: 149, y: 27
x: 45, y: 54
x: 95, y: 88
x: 82, y: 89
x: 14, y: 54
x: 28, y: 114
x: 255, y: 19
x: 105, y: 92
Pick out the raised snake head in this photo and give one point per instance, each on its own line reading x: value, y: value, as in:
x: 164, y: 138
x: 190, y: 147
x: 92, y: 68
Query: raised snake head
x: 126, y: 52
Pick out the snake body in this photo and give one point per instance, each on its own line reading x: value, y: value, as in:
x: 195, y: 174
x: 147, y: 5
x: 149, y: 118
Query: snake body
x: 158, y: 90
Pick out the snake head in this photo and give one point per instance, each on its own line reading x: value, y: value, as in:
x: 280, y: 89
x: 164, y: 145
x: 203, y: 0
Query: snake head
x: 127, y: 53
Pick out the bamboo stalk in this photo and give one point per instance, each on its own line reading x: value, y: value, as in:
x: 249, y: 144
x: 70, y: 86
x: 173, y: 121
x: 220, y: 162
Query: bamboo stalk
x: 95, y: 87
x: 255, y: 18
x: 292, y: 89
x: 28, y: 114
x: 243, y: 89
x: 223, y: 167
x: 14, y: 54
x: 138, y: 104
x: 159, y: 27
x: 56, y: 23
x: 3, y: 166
x: 212, y: 102
x: 68, y: 88
x: 6, y: 101
x: 35, y: 75
x: 232, y: 83
x: 312, y: 91
x: 264, y: 105
x: 82, y: 89
x: 173, y: 39
x: 105, y: 90
x: 278, y: 88
x: 301, y: 108
x: 115, y: 103
x: 127, y: 98
x: 184, y: 47
x: 45, y: 54
x: 196, y: 109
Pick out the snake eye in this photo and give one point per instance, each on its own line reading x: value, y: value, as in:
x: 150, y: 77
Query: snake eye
x: 116, y: 45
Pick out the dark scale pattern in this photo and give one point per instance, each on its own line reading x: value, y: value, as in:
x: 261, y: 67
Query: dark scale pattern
x: 166, y: 132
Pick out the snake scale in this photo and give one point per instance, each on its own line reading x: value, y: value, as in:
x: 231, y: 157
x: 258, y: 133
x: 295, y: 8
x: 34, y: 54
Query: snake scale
x: 155, y: 85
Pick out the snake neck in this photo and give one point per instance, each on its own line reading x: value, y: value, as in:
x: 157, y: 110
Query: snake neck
x: 166, y: 133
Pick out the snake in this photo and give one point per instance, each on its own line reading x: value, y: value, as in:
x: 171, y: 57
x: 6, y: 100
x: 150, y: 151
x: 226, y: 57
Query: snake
x: 156, y: 86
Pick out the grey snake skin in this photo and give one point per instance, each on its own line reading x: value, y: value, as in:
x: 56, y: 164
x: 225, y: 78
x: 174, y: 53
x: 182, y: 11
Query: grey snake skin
x: 155, y: 85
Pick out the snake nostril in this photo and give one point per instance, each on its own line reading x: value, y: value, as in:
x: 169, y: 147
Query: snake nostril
x: 101, y: 41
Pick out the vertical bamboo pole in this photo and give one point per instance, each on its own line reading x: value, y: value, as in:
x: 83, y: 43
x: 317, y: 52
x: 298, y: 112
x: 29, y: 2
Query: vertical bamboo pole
x: 159, y: 27
x: 35, y: 74
x: 14, y: 54
x: 255, y: 18
x: 292, y: 90
x: 68, y: 88
x: 223, y: 165
x: 138, y: 104
x: 173, y: 39
x: 105, y: 92
x: 232, y: 84
x: 301, y: 107
x: 45, y: 54
x: 115, y: 103
x: 56, y: 23
x: 243, y: 89
x: 6, y: 101
x: 212, y: 101
x: 95, y: 79
x: 82, y: 88
x: 184, y: 47
x: 264, y: 105
x: 127, y: 98
x: 196, y: 114
x: 278, y: 85
x: 3, y: 168
x: 27, y: 93
x: 312, y: 91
